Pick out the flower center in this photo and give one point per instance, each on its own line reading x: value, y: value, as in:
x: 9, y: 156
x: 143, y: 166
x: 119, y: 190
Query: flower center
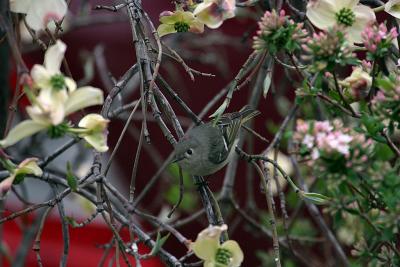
x: 345, y: 16
x: 223, y: 257
x: 57, y: 81
x: 181, y: 26
x: 56, y: 131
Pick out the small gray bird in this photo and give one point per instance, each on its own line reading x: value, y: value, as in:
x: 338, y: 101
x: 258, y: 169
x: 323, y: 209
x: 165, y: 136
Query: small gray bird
x: 207, y: 148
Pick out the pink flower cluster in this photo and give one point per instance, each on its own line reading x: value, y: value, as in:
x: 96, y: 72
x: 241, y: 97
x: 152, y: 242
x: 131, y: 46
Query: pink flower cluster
x: 322, y: 136
x: 331, y: 139
x: 373, y: 35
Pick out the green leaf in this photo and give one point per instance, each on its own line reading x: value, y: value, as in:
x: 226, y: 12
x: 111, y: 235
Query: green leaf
x: 159, y: 243
x: 316, y: 198
x: 71, y: 179
x: 220, y: 110
x: 384, y: 84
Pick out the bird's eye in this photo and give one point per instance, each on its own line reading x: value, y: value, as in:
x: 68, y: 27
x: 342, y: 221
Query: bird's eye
x: 189, y: 151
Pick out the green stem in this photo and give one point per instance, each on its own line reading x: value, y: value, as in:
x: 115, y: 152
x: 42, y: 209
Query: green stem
x: 379, y: 9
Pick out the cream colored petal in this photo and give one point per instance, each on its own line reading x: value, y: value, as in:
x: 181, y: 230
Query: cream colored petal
x: 201, y: 7
x: 197, y: 27
x: 346, y: 4
x: 40, y: 76
x: 364, y: 16
x: 321, y: 13
x: 237, y: 253
x: 393, y: 8
x: 165, y: 29
x: 212, y: 21
x: 29, y: 166
x: 205, y: 248
x: 52, y: 103
x: 187, y: 16
x: 209, y: 263
x: 20, y: 6
x: 207, y: 242
x: 98, y: 141
x: 42, y: 12
x: 37, y: 115
x: 71, y: 84
x: 229, y: 9
x: 176, y: 16
x: 54, y: 56
x: 93, y: 121
x: 20, y: 131
x: 6, y: 184
x: 82, y: 98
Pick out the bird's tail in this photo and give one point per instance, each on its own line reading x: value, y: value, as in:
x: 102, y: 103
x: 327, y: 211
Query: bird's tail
x: 247, y: 113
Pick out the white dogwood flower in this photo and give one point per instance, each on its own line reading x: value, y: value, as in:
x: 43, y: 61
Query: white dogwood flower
x: 213, y: 12
x: 346, y: 13
x: 208, y: 248
x: 393, y: 8
x: 40, y: 12
x: 28, y: 166
x: 95, y: 131
x: 57, y: 97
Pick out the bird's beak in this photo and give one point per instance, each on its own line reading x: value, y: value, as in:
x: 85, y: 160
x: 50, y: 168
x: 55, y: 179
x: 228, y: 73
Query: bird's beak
x: 177, y: 159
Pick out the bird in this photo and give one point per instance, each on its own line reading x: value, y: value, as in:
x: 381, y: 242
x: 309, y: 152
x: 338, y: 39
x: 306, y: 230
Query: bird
x: 208, y: 147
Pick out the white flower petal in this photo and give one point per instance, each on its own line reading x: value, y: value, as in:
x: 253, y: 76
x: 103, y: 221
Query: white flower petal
x: 6, y: 184
x: 83, y: 97
x: 98, y: 141
x: 54, y: 56
x: 41, y: 76
x: 237, y: 253
x: 29, y: 166
x: 321, y: 13
x: 20, y: 6
x: 71, y: 84
x: 364, y: 16
x: 393, y: 8
x: 22, y: 130
x: 42, y: 12
x: 207, y: 242
x: 165, y: 29
x: 346, y: 4
x: 93, y: 121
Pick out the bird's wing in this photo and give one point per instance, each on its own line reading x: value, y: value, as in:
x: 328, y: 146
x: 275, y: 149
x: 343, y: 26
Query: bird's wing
x: 219, y: 149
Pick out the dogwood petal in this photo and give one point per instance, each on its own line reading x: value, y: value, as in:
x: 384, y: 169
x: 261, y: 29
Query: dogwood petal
x: 165, y: 29
x: 82, y: 98
x: 171, y: 19
x: 393, y: 8
x: 98, y: 141
x: 54, y: 56
x: 207, y: 13
x: 345, y: 4
x: 207, y: 242
x: 205, y: 248
x: 6, y: 184
x: 70, y: 83
x: 364, y: 16
x: 52, y: 104
x: 237, y: 253
x: 196, y: 27
x: 20, y: 131
x: 29, y: 166
x: 41, y: 76
x: 321, y: 13
x: 42, y: 12
x: 20, y: 6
